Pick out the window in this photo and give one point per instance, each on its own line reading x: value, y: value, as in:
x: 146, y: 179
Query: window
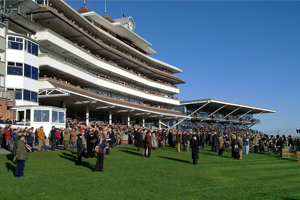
x: 15, y: 68
x: 27, y: 70
x: 26, y: 95
x: 35, y: 73
x: 18, y: 93
x: 55, y: 116
x: 32, y: 48
x: 41, y: 115
x: 34, y: 96
x: 61, y: 117
x: 31, y: 72
x: 15, y: 43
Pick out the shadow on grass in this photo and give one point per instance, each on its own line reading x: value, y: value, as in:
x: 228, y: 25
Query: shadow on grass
x: 74, y: 160
x: 11, y: 167
x: 131, y: 152
x: 175, y: 159
x: 215, y: 154
x: 10, y: 157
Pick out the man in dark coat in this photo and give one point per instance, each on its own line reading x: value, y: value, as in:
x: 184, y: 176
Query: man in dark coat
x: 215, y: 141
x: 112, y: 138
x: 53, y: 138
x: 202, y: 140
x: 195, y: 149
x: 30, y: 139
x: 80, y: 148
x: 139, y: 140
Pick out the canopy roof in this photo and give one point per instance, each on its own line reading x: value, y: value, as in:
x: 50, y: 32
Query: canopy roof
x: 224, y: 107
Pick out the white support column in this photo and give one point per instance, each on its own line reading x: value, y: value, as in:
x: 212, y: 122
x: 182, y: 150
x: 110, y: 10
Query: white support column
x: 128, y: 119
x: 110, y: 117
x: 143, y: 121
x: 87, y: 116
x: 64, y: 104
x: 159, y: 123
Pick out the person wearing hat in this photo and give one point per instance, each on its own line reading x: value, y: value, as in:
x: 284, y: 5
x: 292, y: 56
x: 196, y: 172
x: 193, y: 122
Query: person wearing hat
x: 21, y: 156
x: 195, y: 149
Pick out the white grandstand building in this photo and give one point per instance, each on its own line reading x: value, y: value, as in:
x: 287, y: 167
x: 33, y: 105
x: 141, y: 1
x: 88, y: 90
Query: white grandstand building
x: 66, y: 63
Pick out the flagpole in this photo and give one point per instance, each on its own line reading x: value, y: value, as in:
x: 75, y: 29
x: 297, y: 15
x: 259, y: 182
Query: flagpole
x: 105, y: 6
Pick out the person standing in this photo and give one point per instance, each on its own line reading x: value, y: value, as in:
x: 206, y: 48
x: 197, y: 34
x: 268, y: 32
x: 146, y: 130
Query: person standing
x: 8, y: 138
x: 40, y: 137
x: 221, y: 145
x: 178, y: 140
x: 195, y: 149
x: 202, y: 140
x: 80, y: 148
x: 100, y: 155
x: 235, y: 147
x: 215, y: 141
x: 66, y: 139
x: 246, y: 144
x: 241, y: 147
x: 91, y: 145
x: 144, y: 137
x: 148, y: 145
x: 188, y: 140
x: 153, y: 141
x: 73, y: 139
x: 53, y: 138
x: 22, y: 156
x: 30, y: 139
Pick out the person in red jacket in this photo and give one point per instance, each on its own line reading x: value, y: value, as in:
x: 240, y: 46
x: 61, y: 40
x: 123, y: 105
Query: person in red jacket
x: 148, y: 144
x: 8, y: 138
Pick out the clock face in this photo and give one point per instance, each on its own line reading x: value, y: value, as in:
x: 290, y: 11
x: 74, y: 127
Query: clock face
x: 131, y: 25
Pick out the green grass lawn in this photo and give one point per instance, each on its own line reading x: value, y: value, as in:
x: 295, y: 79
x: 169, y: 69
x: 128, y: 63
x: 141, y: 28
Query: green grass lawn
x: 166, y: 175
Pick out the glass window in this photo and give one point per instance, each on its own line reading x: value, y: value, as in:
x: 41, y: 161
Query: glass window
x: 61, y: 117
x: 15, y: 68
x: 15, y: 45
x: 45, y: 115
x: 34, y: 96
x: 32, y: 48
x: 11, y: 38
x: 18, y: 94
x: 35, y: 73
x: 29, y: 47
x: 37, y: 115
x: 55, y: 116
x: 26, y: 95
x: 35, y: 49
x: 27, y: 70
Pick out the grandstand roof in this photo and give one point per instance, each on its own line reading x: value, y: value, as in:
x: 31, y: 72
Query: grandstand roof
x: 224, y: 107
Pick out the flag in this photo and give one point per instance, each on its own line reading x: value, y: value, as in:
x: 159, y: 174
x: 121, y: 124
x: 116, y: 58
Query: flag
x: 123, y: 15
x: 298, y: 130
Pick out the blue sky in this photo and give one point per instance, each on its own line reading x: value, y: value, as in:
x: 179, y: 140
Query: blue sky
x: 245, y: 52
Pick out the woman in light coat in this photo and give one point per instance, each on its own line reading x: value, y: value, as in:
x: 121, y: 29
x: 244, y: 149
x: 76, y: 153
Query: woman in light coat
x: 153, y: 141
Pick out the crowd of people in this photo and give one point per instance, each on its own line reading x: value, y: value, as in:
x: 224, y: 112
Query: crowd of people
x: 106, y: 94
x: 112, y: 46
x: 220, y: 116
x: 99, y: 137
